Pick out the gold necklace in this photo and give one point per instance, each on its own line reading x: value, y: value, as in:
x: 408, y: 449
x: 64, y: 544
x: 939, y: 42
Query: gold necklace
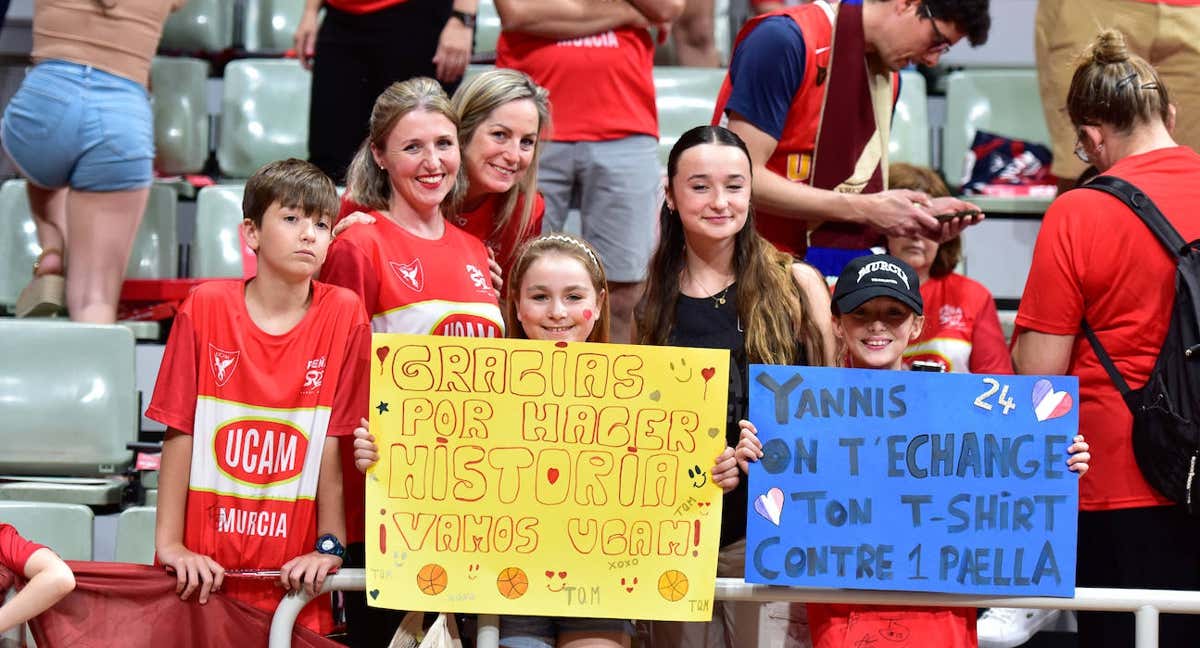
x: 718, y: 300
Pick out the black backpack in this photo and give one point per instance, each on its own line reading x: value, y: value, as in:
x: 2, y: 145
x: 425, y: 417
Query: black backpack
x: 1166, y: 427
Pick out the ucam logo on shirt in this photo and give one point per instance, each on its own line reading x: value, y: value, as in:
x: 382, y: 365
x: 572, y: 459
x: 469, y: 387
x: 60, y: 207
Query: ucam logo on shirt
x: 260, y: 451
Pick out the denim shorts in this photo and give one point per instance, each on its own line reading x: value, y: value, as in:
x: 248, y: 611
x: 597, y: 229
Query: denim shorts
x: 541, y: 632
x: 73, y: 125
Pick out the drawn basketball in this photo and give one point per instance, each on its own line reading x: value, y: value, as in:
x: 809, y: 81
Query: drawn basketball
x: 431, y: 579
x: 512, y: 583
x: 673, y: 585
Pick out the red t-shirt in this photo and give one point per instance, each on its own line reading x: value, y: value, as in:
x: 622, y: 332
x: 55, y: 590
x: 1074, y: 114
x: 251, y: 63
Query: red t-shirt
x: 14, y: 552
x: 1095, y: 259
x: 962, y: 330
x: 842, y: 626
x: 601, y: 86
x: 259, y: 407
x: 410, y: 285
x: 480, y: 222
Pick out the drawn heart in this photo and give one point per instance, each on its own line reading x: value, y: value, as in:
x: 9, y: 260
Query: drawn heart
x: 552, y: 475
x: 770, y: 505
x: 1049, y: 404
x: 708, y: 373
x: 655, y: 395
x: 374, y: 592
x: 382, y: 352
x: 713, y: 432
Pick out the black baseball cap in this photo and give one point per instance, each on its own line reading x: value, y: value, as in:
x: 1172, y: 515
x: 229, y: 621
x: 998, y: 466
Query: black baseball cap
x: 877, y: 275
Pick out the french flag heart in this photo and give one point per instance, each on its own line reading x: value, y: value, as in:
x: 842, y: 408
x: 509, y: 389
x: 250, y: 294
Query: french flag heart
x: 1049, y: 404
x: 770, y: 505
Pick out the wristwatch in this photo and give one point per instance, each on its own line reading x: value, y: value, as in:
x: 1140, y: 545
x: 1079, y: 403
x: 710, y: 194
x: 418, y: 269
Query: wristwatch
x: 464, y: 17
x: 329, y: 544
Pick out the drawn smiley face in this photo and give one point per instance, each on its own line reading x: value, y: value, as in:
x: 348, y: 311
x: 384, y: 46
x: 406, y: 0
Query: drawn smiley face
x: 629, y: 584
x: 703, y: 508
x: 682, y: 372
x: 556, y: 581
x: 472, y: 571
x: 696, y: 474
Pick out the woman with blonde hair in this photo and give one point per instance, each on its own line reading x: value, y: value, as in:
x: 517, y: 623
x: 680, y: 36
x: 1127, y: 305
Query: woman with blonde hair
x: 415, y: 271
x: 502, y: 115
x: 1096, y: 262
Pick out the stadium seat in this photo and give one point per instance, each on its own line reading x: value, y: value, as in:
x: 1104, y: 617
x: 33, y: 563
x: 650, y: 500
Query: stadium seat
x: 135, y: 535
x: 200, y: 26
x: 1003, y: 102
x: 487, y: 30
x: 155, y: 253
x: 268, y: 26
x: 264, y: 114
x: 178, y: 86
x: 910, y: 122
x: 474, y: 70
x: 686, y: 98
x: 217, y: 246
x: 69, y: 409
x: 65, y: 528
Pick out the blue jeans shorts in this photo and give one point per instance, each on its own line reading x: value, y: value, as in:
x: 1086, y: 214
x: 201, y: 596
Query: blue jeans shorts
x: 74, y: 125
x: 542, y: 632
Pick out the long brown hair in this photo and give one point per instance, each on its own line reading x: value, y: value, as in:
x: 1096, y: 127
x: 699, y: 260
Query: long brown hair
x: 568, y: 246
x: 473, y: 103
x: 775, y: 313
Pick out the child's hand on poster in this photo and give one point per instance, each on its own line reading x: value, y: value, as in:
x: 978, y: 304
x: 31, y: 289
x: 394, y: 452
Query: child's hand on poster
x: 725, y: 471
x: 1078, y: 461
x: 749, y: 448
x: 366, y: 453
x: 308, y: 572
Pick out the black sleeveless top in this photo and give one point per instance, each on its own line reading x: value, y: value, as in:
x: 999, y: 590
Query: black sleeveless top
x: 704, y: 323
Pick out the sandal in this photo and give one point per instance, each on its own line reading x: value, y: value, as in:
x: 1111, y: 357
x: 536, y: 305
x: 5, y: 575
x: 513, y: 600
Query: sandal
x: 45, y: 296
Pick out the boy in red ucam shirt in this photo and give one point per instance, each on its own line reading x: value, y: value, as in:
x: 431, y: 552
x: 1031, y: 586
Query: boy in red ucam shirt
x: 257, y: 379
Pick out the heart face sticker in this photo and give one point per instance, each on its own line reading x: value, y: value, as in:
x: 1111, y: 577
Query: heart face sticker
x: 1049, y: 404
x: 770, y: 505
x: 655, y: 395
x: 713, y: 432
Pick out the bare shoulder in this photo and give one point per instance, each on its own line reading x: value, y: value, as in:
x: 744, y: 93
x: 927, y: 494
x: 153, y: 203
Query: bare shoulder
x: 808, y: 277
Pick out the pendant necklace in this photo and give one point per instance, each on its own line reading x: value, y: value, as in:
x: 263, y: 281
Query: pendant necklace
x: 718, y: 299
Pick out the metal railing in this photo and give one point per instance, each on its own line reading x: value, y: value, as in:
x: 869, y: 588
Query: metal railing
x: 1145, y: 604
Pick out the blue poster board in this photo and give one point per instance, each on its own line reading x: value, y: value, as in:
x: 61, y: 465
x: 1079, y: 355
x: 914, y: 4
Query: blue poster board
x: 905, y: 480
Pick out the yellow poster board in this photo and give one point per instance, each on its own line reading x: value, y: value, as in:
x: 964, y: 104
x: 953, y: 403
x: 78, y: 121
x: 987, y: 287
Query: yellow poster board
x: 542, y: 478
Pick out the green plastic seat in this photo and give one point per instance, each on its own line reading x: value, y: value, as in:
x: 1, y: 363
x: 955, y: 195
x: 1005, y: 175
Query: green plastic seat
x: 155, y: 253
x: 178, y: 88
x: 200, y: 25
x: 65, y: 528
x: 264, y: 114
x: 217, y: 246
x: 474, y: 70
x: 1004, y: 102
x: 910, y: 122
x: 269, y: 26
x: 487, y: 28
x: 686, y: 98
x: 135, y: 535
x: 70, y: 407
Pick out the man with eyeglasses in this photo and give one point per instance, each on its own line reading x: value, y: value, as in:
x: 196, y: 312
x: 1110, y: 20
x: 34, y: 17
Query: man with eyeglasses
x: 816, y: 119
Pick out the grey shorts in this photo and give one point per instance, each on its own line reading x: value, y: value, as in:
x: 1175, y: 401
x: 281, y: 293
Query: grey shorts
x: 617, y: 186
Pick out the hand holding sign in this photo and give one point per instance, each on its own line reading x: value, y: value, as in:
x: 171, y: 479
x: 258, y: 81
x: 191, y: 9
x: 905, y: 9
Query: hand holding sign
x: 912, y: 481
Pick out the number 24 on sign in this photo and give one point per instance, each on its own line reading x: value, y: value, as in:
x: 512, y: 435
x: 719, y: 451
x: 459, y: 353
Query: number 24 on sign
x: 1005, y: 401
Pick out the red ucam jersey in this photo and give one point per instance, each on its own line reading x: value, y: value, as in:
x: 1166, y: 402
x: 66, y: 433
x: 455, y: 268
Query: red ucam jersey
x: 259, y: 408
x: 601, y: 86
x: 414, y: 285
x: 410, y: 285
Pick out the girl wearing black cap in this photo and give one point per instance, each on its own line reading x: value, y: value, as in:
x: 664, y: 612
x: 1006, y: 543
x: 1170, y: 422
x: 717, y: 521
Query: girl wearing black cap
x: 877, y: 312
